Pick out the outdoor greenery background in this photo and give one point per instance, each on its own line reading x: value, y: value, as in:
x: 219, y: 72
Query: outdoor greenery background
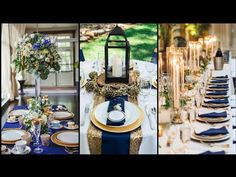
x: 142, y: 39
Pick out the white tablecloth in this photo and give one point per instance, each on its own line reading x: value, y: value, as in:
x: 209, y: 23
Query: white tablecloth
x: 149, y: 140
x: 192, y: 147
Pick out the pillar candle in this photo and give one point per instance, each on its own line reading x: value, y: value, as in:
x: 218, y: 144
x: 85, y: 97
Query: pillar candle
x: 117, y: 67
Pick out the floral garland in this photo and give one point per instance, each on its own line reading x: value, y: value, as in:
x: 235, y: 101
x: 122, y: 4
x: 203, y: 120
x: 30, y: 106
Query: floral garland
x: 36, y: 53
x: 108, y: 91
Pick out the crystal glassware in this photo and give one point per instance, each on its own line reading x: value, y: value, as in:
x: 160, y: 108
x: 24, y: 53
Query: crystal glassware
x: 36, y: 123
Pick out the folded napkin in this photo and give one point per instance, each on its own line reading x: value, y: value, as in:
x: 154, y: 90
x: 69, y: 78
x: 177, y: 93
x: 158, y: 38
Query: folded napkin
x: 210, y: 152
x: 219, y: 86
x: 218, y: 101
x: 219, y: 81
x: 20, y: 107
x: 226, y: 76
x: 112, y: 103
x: 217, y: 93
x: 55, y: 107
x: 214, y: 114
x: 214, y: 132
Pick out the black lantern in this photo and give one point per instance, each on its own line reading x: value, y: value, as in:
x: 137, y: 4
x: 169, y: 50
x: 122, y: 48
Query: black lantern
x: 117, y: 56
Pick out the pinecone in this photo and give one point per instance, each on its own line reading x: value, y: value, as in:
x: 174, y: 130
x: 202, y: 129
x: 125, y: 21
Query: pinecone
x: 89, y: 86
x: 93, y: 75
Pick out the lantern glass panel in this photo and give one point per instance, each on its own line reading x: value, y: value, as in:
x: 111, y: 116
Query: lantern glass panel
x: 116, y: 63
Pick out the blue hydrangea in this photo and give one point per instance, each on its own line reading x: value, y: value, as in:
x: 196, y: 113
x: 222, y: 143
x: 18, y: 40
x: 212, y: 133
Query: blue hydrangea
x: 36, y: 46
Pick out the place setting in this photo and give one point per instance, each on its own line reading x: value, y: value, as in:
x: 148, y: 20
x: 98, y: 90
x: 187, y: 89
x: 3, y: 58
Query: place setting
x: 113, y: 122
x: 195, y: 99
x: 38, y: 131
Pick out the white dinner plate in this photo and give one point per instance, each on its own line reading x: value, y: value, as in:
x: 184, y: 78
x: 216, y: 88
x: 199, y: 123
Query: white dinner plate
x: 69, y: 137
x: 60, y: 115
x: 132, y: 113
x: 12, y: 135
x: 18, y: 112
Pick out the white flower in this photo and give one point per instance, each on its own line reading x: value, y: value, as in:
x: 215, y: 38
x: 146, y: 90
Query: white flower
x: 42, y: 41
x: 41, y: 56
x: 32, y: 52
x: 32, y: 36
x: 20, y: 40
x: 47, y: 59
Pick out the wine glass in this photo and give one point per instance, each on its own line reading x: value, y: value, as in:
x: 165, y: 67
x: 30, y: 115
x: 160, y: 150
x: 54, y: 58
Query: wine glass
x: 36, y: 123
x: 145, y: 87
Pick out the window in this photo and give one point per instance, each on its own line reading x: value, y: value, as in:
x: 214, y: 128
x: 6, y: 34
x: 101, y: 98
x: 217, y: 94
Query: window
x: 65, y: 50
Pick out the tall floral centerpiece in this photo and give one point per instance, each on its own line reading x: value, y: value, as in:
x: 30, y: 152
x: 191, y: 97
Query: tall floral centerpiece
x: 36, y: 54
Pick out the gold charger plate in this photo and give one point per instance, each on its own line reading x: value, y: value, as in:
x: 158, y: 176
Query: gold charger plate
x: 118, y: 129
x: 60, y: 143
x: 64, y: 118
x: 11, y: 142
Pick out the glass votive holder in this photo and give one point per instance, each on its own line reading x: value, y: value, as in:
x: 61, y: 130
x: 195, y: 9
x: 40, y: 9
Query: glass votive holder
x: 45, y: 139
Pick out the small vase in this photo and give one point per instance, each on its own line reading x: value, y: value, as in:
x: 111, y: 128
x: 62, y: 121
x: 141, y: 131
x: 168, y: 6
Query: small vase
x: 37, y: 87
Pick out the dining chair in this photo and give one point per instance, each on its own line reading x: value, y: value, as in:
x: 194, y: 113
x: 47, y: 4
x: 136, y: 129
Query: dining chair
x: 81, y: 55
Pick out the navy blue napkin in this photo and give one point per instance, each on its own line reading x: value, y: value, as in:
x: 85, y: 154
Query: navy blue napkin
x: 210, y: 152
x: 112, y: 103
x: 217, y: 93
x: 115, y: 143
x: 219, y: 81
x: 214, y: 132
x: 219, y: 86
x: 214, y: 114
x: 218, y: 101
x: 226, y: 76
x: 20, y: 107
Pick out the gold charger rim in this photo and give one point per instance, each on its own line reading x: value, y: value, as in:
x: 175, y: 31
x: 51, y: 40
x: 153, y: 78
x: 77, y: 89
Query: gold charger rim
x: 118, y: 129
x: 60, y: 143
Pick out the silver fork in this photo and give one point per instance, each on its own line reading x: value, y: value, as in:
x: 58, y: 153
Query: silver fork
x: 86, y: 111
x: 149, y: 118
